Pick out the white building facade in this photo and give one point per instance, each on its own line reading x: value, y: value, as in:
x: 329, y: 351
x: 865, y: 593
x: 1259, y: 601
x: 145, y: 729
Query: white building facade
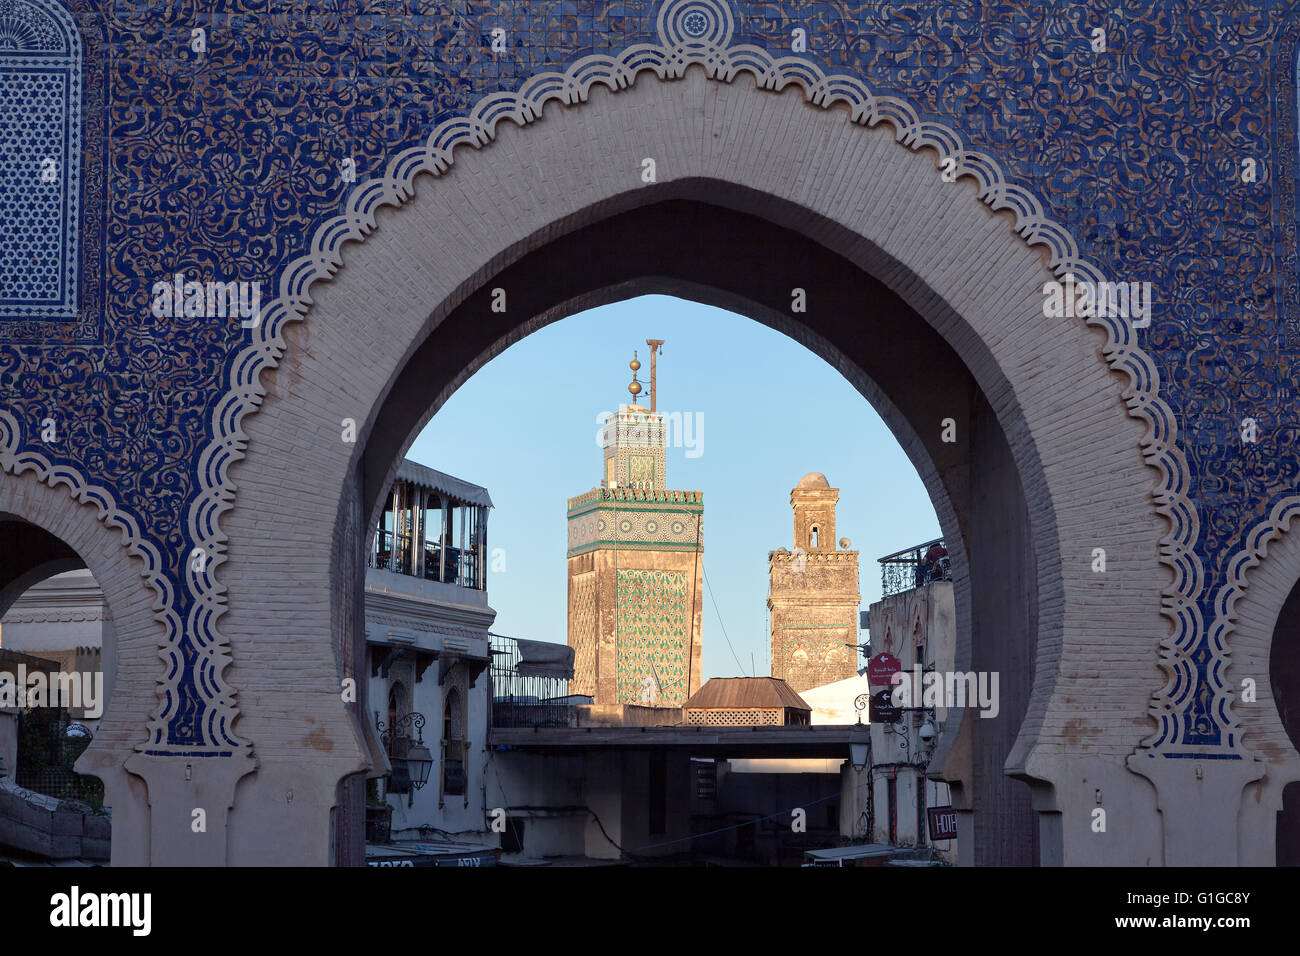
x: 427, y: 620
x: 917, y: 625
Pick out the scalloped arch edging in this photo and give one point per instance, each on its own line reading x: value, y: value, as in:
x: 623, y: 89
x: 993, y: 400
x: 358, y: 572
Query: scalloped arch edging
x: 1250, y: 556
x: 1254, y: 551
x: 16, y: 463
x: 680, y: 48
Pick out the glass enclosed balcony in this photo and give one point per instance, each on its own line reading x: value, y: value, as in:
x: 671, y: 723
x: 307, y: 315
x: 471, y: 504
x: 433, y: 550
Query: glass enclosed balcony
x: 434, y: 527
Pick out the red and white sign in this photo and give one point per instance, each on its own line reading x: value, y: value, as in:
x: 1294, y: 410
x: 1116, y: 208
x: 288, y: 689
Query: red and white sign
x: 943, y: 823
x: 881, y: 670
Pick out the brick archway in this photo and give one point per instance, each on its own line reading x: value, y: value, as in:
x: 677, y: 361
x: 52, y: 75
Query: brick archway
x: 959, y: 268
x: 57, y: 532
x: 1264, y: 619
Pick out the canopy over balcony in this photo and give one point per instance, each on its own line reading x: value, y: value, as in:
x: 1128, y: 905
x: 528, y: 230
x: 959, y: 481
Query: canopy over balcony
x: 434, y: 526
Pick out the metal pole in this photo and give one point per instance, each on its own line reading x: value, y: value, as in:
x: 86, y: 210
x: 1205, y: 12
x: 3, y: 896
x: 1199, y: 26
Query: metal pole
x: 392, y: 543
x: 417, y: 533
x: 442, y: 543
x: 655, y: 347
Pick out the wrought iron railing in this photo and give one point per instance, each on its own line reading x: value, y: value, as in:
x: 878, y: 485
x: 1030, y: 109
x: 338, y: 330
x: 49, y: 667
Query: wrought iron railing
x: 526, y: 700
x: 392, y: 552
x: 460, y: 567
x: 451, y: 572
x: 914, y: 567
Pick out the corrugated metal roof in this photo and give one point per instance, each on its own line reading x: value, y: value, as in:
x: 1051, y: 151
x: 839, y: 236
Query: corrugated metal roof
x: 451, y: 487
x: 741, y: 692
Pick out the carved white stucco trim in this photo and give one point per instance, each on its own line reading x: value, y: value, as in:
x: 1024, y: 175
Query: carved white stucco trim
x: 1249, y: 557
x: 681, y: 47
x: 53, y: 617
x: 1252, y: 553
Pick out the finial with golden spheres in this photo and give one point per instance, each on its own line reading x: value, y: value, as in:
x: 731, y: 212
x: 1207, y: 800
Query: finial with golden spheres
x: 635, y: 386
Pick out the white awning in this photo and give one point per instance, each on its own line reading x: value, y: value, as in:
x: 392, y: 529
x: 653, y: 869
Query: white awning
x: 544, y: 659
x: 443, y: 483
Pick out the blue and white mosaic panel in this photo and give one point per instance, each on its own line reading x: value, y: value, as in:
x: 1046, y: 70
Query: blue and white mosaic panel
x: 40, y: 160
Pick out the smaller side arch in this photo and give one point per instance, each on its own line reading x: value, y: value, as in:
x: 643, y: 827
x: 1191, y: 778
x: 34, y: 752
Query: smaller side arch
x: 137, y: 635
x: 25, y: 566
x: 1264, y: 576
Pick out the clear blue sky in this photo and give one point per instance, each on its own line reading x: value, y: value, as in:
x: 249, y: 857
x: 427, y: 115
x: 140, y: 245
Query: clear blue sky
x: 525, y: 427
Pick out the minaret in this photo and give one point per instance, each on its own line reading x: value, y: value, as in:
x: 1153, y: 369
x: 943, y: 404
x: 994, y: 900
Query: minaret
x: 813, y: 597
x: 636, y: 568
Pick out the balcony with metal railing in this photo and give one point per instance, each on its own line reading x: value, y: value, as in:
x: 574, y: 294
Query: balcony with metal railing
x: 914, y: 567
x: 433, y: 527
x: 448, y: 565
x: 530, y: 684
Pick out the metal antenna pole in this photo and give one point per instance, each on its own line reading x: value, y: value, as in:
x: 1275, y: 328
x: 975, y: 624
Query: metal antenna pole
x: 656, y: 346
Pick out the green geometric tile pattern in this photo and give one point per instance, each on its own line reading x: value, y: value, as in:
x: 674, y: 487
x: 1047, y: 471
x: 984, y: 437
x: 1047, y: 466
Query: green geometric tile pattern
x: 653, y: 649
x: 641, y: 470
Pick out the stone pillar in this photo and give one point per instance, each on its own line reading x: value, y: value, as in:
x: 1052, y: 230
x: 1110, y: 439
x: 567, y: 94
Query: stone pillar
x: 1199, y: 803
x: 180, y: 787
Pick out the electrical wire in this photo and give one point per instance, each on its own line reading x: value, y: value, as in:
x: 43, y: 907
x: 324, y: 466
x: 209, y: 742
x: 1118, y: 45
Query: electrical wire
x: 709, y: 588
x: 780, y: 814
x: 601, y: 826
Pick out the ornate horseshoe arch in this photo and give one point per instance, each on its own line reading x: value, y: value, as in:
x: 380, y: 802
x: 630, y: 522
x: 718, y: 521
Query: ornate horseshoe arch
x: 690, y: 34
x: 88, y: 520
x: 699, y: 33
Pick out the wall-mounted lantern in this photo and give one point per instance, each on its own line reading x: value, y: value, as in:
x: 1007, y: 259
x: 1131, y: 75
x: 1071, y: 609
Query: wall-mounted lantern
x: 859, y: 754
x: 411, y: 760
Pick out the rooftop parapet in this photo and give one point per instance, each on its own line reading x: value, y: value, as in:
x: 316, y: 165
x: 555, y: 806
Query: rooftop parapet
x: 635, y: 495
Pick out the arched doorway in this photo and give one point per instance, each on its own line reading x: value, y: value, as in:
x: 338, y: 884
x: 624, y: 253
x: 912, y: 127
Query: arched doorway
x: 56, y: 657
x: 901, y: 278
x: 990, y: 510
x: 57, y: 672
x: 1284, y: 673
x: 1260, y: 609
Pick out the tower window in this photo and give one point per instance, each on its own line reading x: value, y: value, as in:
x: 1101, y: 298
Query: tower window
x: 814, y: 536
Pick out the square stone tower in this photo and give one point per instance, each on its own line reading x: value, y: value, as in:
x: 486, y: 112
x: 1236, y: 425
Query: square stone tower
x: 636, y: 566
x: 813, y: 596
